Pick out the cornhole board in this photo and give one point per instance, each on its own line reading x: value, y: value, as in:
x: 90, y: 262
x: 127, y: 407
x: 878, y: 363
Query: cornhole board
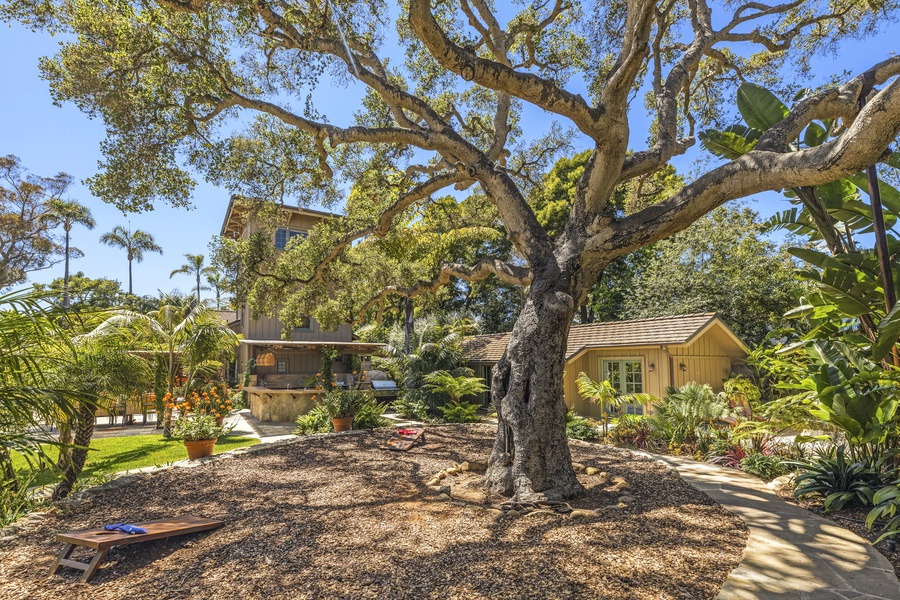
x: 102, y: 540
x: 402, y: 442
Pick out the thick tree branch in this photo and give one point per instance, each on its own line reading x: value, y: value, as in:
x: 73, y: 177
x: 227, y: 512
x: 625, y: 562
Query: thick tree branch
x: 862, y: 144
x: 497, y: 76
x: 512, y: 274
x: 386, y: 219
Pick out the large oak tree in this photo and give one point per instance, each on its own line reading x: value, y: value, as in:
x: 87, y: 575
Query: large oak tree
x: 225, y: 86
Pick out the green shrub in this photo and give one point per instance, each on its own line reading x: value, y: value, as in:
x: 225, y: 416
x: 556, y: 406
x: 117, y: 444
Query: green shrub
x: 637, y: 431
x: 368, y: 414
x: 764, y: 466
x: 344, y: 403
x: 458, y: 411
x: 316, y: 420
x: 411, y: 405
x: 579, y: 428
x: 239, y: 400
x: 16, y: 503
x: 837, y: 480
x: 688, y: 413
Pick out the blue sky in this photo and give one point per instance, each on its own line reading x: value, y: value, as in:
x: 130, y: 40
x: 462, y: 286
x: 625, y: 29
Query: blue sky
x: 50, y: 139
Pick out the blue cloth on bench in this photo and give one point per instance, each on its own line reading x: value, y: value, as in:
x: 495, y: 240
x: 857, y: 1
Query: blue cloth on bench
x: 127, y: 528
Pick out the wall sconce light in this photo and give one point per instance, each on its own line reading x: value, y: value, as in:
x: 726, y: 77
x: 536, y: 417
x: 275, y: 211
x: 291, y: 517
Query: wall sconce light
x: 650, y: 367
x: 683, y: 367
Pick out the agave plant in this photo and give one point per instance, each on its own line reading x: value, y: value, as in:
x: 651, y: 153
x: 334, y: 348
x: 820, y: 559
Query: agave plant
x: 836, y: 479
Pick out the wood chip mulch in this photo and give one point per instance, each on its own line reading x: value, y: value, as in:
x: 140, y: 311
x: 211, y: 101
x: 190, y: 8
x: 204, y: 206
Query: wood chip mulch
x: 337, y: 517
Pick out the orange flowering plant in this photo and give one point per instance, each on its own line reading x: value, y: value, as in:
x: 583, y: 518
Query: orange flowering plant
x: 214, y: 400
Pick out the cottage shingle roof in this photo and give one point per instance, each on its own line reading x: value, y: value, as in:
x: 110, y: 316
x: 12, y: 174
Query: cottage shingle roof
x: 229, y: 316
x: 679, y: 329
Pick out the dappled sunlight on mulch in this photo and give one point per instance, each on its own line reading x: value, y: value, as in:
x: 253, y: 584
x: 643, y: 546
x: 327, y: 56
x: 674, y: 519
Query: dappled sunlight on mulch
x: 336, y: 517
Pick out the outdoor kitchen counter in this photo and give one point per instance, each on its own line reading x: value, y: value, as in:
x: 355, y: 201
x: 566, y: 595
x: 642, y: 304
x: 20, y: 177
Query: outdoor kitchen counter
x: 273, y: 404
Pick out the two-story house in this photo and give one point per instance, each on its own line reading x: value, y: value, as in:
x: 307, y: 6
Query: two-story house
x: 285, y: 367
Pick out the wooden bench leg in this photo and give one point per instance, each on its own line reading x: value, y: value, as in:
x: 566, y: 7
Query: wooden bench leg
x: 94, y: 564
x: 63, y: 555
x: 89, y: 568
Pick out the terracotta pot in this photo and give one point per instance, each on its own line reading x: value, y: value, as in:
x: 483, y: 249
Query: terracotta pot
x: 200, y: 448
x: 342, y: 423
x: 220, y: 420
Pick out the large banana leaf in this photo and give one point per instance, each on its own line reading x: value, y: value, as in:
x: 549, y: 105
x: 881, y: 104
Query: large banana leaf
x: 760, y: 108
x: 725, y: 144
x: 794, y: 220
x: 890, y: 196
x: 888, y: 333
x: 819, y: 259
x: 815, y: 135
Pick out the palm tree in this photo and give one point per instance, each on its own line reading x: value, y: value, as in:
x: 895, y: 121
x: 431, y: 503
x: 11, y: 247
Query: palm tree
x: 135, y: 244
x: 30, y: 335
x: 68, y: 213
x: 194, y: 266
x: 218, y: 281
x: 184, y: 335
x: 104, y: 369
x: 602, y: 393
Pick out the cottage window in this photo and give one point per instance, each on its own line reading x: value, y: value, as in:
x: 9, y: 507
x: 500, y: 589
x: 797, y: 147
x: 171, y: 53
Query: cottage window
x: 627, y: 376
x: 281, y: 366
x: 283, y: 235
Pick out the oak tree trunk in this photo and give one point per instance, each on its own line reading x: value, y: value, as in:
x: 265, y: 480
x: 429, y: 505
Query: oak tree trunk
x: 530, y: 460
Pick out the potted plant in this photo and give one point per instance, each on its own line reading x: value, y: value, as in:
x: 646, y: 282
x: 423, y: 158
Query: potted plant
x: 342, y: 405
x: 199, y: 433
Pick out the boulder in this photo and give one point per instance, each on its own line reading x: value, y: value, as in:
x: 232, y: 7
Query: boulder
x: 477, y: 466
x: 591, y: 471
x: 627, y: 499
x: 581, y: 514
x: 578, y: 467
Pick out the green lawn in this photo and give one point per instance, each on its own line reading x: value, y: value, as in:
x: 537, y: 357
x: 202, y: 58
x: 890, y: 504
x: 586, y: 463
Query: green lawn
x: 111, y: 455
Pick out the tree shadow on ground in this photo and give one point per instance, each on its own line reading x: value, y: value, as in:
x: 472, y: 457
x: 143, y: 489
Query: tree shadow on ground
x: 339, y: 517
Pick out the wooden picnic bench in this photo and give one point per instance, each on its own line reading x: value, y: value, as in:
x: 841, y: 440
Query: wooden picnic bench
x: 404, y: 441
x: 102, y: 540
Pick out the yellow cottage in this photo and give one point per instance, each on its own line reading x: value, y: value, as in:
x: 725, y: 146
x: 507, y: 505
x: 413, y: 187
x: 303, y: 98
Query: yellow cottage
x: 644, y: 355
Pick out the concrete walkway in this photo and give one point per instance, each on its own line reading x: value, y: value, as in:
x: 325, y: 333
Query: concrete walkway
x: 791, y: 552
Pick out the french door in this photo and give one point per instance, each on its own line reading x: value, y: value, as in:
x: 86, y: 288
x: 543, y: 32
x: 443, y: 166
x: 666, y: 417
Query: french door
x: 627, y: 376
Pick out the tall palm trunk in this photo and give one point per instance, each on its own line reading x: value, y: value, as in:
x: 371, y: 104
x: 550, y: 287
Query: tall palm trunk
x: 84, y: 430
x: 65, y: 302
x: 130, y: 292
x: 65, y: 451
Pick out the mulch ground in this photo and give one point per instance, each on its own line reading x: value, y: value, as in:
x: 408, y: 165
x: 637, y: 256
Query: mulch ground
x: 336, y: 517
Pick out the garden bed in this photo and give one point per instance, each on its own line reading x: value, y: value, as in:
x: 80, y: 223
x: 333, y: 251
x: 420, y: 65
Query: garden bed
x: 337, y: 517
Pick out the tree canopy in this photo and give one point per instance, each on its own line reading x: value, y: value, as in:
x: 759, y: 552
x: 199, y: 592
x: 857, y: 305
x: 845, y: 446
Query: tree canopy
x: 27, y: 220
x: 721, y: 264
x: 440, y: 159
